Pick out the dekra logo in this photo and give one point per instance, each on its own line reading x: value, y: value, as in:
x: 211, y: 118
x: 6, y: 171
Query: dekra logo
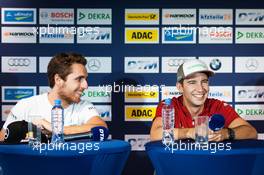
x: 250, y: 35
x: 98, y: 94
x: 251, y: 112
x: 94, y: 16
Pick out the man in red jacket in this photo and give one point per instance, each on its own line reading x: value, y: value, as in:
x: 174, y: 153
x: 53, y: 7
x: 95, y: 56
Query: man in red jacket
x: 192, y: 82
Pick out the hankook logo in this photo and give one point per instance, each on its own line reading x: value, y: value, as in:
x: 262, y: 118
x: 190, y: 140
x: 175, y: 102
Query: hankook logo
x: 94, y: 64
x: 19, y: 62
x: 252, y: 64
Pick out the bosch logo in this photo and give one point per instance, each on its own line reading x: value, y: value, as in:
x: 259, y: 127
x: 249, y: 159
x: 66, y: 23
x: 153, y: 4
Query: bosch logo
x: 19, y: 62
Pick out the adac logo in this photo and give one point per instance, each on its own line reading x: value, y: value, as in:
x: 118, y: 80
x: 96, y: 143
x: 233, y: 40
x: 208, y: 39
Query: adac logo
x: 19, y: 16
x: 140, y: 113
x: 142, y: 94
x: 17, y: 94
x: 94, y: 16
x: 141, y: 35
x: 178, y: 35
x: 215, y: 64
x: 142, y: 16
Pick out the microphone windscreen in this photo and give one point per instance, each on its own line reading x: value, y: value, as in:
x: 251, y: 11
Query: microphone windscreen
x: 100, y: 133
x: 216, y: 122
x: 16, y: 131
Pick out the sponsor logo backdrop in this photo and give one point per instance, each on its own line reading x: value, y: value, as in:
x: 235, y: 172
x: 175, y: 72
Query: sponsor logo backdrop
x: 139, y: 46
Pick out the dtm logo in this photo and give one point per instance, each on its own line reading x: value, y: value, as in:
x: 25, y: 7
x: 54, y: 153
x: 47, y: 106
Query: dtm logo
x: 178, y: 35
x: 105, y: 114
x: 17, y: 94
x: 251, y: 17
x: 215, y: 64
x: 145, y: 65
x: 19, y: 62
x: 250, y: 93
x: 19, y: 16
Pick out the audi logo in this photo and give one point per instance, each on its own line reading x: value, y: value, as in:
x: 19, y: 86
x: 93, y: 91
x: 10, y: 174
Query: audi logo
x: 19, y: 62
x: 175, y: 62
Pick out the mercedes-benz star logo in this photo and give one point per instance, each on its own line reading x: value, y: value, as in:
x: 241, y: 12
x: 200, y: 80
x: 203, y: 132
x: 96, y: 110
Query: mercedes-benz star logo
x: 252, y: 64
x: 94, y: 64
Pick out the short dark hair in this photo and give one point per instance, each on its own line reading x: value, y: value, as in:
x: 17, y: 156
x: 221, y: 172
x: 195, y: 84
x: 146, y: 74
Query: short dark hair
x: 61, y: 64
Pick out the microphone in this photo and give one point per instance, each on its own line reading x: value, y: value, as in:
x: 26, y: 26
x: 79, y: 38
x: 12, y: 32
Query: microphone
x: 216, y: 122
x: 98, y: 133
x: 17, y: 131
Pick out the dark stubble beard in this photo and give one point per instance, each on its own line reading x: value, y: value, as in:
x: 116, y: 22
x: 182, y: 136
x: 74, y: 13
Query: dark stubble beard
x: 67, y: 99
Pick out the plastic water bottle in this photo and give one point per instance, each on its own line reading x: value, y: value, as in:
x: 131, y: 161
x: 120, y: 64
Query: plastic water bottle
x: 168, y: 122
x: 57, y: 122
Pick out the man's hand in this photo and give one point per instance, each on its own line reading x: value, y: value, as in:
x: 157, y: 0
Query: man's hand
x: 218, y: 136
x: 190, y: 133
x: 43, y: 124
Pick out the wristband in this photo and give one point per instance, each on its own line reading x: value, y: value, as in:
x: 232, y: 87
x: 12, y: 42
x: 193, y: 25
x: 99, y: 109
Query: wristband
x: 231, y: 134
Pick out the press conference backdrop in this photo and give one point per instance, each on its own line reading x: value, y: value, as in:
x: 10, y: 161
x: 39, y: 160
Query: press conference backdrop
x: 136, y: 44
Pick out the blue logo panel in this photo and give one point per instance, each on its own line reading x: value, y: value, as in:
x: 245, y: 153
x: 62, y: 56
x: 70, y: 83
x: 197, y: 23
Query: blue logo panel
x: 19, y: 16
x: 17, y: 94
